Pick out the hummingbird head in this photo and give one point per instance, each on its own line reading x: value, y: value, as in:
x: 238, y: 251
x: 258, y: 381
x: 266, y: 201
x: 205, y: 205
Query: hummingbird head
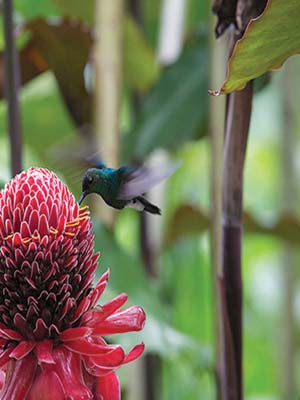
x: 90, y: 183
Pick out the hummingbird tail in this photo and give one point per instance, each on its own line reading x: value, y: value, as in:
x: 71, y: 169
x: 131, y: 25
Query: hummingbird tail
x: 151, y: 208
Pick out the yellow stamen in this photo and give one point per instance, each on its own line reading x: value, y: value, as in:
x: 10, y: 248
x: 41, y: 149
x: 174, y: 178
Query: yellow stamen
x: 8, y: 237
x: 76, y: 221
x: 72, y: 224
x: 26, y: 240
x: 72, y: 234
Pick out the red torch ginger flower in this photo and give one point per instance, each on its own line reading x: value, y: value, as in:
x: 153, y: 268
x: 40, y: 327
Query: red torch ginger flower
x: 51, y: 331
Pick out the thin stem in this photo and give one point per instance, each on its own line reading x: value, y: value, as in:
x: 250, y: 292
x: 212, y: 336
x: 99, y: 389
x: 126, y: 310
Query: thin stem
x: 238, y: 114
x: 12, y: 82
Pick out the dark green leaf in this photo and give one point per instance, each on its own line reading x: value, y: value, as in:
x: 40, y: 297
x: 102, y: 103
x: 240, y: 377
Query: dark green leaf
x: 64, y: 49
x: 176, y: 108
x: 82, y: 10
x: 127, y: 275
x: 187, y: 220
x: 31, y: 8
x: 127, y: 272
x: 140, y: 66
x: 151, y: 11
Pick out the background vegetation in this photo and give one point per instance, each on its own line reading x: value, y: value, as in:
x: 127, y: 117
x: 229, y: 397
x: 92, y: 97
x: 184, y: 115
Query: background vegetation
x: 165, y: 116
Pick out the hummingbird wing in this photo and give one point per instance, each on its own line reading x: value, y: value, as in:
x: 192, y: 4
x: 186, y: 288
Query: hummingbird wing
x: 137, y: 181
x: 74, y: 156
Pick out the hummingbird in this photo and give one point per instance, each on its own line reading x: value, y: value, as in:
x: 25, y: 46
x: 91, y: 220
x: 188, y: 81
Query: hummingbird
x: 125, y: 186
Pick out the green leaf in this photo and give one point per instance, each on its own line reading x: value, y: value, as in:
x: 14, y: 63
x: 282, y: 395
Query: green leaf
x: 267, y: 42
x: 83, y: 10
x: 31, y: 8
x: 176, y: 109
x: 44, y: 119
x: 127, y: 275
x: 56, y: 47
x: 189, y: 220
x: 140, y: 66
x: 151, y: 18
x: 127, y: 272
x: 196, y: 13
x: 65, y: 48
x: 186, y: 272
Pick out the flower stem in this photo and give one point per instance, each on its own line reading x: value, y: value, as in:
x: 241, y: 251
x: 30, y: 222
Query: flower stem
x: 238, y: 112
x: 12, y: 81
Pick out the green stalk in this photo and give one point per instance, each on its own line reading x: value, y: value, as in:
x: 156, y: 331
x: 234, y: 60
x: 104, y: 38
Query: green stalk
x: 108, y: 90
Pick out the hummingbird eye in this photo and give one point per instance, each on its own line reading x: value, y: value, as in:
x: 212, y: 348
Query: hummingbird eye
x: 90, y: 179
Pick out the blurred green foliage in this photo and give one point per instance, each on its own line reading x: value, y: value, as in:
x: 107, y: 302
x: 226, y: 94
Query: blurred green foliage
x: 174, y: 116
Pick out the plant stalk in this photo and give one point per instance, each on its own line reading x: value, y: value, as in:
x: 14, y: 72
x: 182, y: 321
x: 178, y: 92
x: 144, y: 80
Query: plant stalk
x: 12, y: 83
x: 108, y: 90
x: 238, y: 112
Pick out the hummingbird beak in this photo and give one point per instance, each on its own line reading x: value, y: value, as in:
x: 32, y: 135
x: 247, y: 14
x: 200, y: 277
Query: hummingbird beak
x: 83, y: 195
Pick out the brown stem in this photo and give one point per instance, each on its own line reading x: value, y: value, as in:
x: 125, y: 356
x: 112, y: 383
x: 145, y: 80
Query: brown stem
x: 236, y: 132
x: 12, y: 81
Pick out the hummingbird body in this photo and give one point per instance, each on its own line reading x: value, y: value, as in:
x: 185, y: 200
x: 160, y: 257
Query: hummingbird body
x: 108, y: 186
x: 119, y: 188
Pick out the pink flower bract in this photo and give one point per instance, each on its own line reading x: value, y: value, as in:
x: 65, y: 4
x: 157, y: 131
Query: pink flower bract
x: 51, y: 330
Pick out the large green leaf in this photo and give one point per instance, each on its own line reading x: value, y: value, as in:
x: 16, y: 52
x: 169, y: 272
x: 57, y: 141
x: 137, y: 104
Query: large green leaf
x: 140, y: 66
x: 186, y: 283
x: 176, y: 109
x: 44, y: 120
x: 267, y: 42
x: 83, y: 10
x: 127, y: 275
x: 127, y: 272
x: 65, y: 48
x: 189, y: 220
x: 31, y: 8
x: 57, y: 46
x: 151, y: 18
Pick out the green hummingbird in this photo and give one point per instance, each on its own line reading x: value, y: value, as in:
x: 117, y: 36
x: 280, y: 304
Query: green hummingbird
x: 125, y: 186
